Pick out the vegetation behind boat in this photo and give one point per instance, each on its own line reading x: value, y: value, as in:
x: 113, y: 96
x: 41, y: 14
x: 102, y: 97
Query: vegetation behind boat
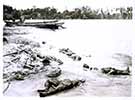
x: 85, y: 12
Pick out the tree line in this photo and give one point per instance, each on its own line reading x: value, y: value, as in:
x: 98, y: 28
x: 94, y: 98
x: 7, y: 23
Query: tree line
x: 84, y: 12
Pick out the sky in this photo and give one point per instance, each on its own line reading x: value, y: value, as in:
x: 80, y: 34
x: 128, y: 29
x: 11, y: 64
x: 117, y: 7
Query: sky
x: 68, y: 4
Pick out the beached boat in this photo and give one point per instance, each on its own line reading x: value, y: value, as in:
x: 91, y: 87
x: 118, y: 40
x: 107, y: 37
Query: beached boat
x: 53, y: 24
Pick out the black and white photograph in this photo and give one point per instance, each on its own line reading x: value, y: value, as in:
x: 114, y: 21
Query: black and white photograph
x: 67, y: 48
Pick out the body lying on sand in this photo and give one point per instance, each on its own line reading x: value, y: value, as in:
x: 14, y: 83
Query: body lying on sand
x: 54, y: 85
x: 109, y: 70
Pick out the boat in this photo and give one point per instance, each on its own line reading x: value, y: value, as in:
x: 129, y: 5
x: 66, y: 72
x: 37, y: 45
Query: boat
x: 53, y: 24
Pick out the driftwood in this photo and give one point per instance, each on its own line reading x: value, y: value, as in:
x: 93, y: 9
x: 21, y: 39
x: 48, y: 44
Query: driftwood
x: 7, y: 87
x: 13, y: 53
x: 17, y: 52
x: 15, y: 59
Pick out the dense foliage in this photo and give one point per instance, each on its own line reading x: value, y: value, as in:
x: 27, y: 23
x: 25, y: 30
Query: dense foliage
x: 78, y: 13
x: 10, y: 14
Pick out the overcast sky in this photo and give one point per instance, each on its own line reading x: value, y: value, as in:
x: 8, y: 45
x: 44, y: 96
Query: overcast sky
x: 68, y: 4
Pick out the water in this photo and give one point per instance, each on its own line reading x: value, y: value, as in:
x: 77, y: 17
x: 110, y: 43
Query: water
x: 100, y: 39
